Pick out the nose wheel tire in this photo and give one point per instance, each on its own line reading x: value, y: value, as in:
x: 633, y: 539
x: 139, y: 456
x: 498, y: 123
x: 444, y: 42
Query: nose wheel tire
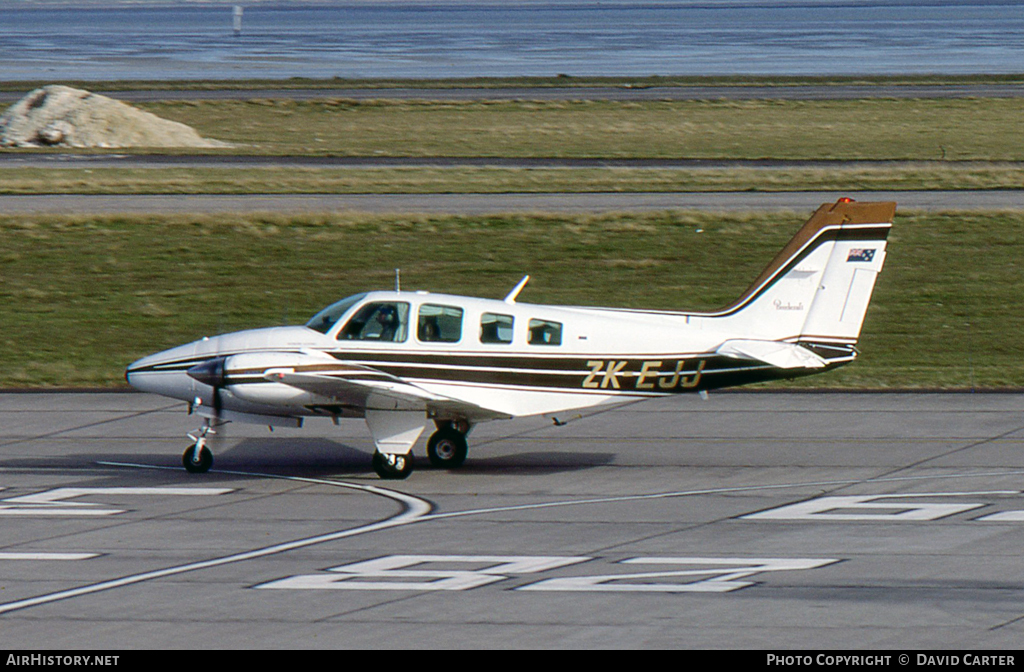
x: 447, y: 448
x: 392, y: 467
x: 197, y: 459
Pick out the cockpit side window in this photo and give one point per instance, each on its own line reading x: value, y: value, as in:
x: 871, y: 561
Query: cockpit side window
x: 496, y: 328
x: 386, y: 321
x: 439, y: 324
x: 545, y: 332
x: 326, y: 318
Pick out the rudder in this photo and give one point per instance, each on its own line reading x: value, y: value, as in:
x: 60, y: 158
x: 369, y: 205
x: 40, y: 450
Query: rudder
x: 858, y: 253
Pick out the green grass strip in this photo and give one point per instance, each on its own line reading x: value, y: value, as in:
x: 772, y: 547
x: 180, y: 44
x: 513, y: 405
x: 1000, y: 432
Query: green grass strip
x: 82, y: 297
x: 873, y: 129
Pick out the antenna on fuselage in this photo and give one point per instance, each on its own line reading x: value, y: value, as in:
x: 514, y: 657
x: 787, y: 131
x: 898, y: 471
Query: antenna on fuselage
x: 511, y: 298
x: 398, y: 279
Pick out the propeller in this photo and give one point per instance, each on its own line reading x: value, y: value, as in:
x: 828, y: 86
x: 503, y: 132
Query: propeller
x: 211, y: 372
x: 198, y: 458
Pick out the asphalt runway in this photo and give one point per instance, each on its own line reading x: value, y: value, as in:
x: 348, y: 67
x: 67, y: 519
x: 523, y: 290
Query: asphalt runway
x: 476, y: 204
x: 750, y: 520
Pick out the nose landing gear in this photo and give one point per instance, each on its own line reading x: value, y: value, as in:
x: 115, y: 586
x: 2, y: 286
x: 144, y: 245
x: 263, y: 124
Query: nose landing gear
x: 197, y: 458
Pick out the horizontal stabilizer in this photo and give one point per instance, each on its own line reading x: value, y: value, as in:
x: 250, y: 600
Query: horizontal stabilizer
x: 777, y: 353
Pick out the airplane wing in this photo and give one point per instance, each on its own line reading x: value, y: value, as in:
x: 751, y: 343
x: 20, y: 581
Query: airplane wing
x: 776, y: 353
x: 370, y: 388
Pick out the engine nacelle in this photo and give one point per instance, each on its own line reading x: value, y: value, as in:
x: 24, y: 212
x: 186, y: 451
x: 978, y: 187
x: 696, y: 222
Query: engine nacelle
x: 244, y: 377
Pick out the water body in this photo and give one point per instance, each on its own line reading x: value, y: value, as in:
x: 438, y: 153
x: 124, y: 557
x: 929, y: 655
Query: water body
x: 453, y: 39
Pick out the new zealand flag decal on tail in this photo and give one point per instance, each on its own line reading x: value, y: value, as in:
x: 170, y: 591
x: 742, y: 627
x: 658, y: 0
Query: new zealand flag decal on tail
x: 861, y: 255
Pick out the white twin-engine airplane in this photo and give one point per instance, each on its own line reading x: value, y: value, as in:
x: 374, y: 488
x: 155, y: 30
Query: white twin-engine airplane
x: 398, y: 359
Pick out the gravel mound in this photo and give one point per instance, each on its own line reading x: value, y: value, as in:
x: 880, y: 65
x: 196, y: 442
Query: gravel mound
x: 61, y: 116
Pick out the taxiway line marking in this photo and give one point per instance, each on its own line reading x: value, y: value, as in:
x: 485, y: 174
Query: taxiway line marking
x: 413, y: 509
x: 717, y: 491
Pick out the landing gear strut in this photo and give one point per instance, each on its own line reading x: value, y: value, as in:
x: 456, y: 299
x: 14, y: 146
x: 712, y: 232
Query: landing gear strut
x: 447, y: 447
x: 392, y: 467
x: 197, y: 458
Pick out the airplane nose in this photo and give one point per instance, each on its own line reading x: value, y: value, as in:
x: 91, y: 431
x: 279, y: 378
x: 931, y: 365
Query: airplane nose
x: 161, y: 373
x: 132, y: 371
x: 142, y: 376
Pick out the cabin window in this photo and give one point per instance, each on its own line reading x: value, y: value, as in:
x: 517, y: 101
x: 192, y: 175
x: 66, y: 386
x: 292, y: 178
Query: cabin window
x: 386, y: 321
x: 496, y: 328
x: 544, y: 332
x: 439, y: 324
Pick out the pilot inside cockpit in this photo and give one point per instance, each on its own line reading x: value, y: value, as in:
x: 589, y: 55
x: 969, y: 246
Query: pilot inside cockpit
x: 378, y: 322
x: 387, y: 317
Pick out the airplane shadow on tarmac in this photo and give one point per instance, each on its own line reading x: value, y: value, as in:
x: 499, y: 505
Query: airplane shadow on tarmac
x: 322, y: 457
x: 317, y: 457
x: 314, y: 457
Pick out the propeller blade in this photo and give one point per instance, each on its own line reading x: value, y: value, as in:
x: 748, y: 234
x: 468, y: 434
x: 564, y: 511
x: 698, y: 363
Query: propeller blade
x: 211, y: 372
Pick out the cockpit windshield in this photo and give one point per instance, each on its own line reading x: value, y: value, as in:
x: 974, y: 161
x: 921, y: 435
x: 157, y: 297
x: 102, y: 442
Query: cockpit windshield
x: 326, y: 318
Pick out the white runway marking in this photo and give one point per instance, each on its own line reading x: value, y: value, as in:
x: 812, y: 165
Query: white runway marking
x: 53, y: 502
x: 875, y: 507
x: 723, y: 575
x: 416, y: 573
x: 394, y: 573
x: 46, y: 556
x: 1003, y: 517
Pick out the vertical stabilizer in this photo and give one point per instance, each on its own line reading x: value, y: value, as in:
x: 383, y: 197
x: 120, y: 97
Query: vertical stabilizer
x: 818, y: 287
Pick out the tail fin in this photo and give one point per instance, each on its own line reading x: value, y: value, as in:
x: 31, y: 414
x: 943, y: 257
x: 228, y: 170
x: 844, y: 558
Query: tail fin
x: 818, y: 287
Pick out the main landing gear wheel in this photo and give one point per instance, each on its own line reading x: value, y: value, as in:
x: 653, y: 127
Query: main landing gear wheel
x: 447, y: 448
x: 197, y: 458
x: 392, y: 467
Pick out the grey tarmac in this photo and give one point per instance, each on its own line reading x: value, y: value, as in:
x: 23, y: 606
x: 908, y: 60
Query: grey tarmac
x: 475, y: 204
x: 754, y: 519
